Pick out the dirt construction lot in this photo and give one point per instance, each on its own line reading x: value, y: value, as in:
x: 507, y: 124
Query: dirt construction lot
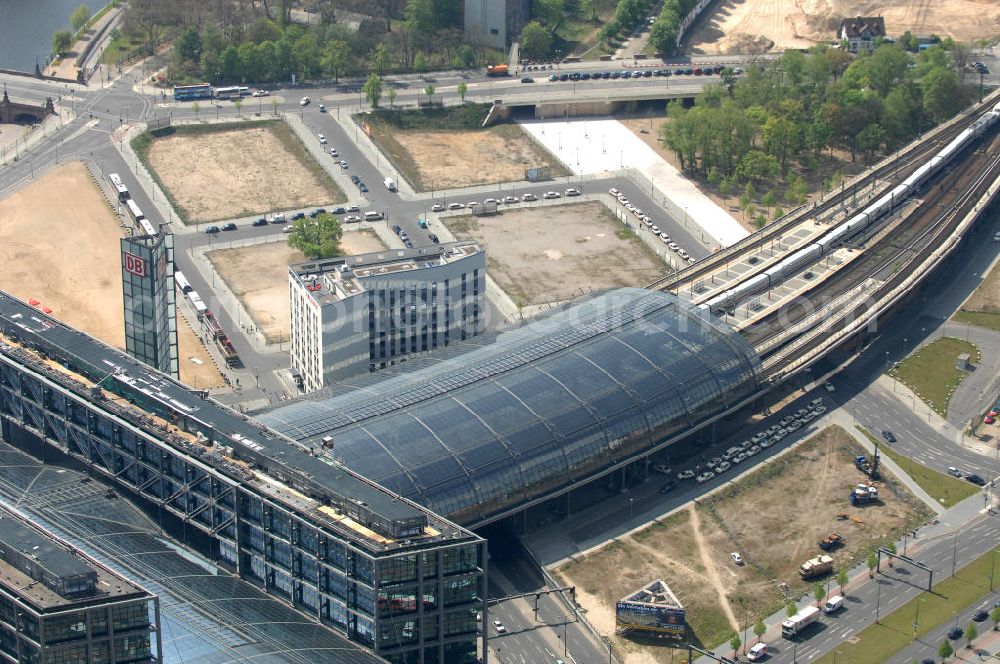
x: 228, y: 174
x: 555, y: 252
x: 753, y: 26
x: 59, y: 245
x: 443, y: 160
x: 805, y: 491
x: 258, y: 275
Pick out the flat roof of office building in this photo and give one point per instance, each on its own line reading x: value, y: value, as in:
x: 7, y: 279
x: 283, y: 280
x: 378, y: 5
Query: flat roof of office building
x: 291, y: 467
x: 333, y: 279
x: 59, y: 558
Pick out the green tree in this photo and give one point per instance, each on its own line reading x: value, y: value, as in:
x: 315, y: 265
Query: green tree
x: 308, y: 56
x: 970, y: 634
x: 663, y: 34
x: 725, y: 187
x: 379, y: 57
x: 391, y: 94
x: 728, y: 76
x: 778, y: 213
x: 819, y: 592
x: 337, y: 57
x: 995, y: 617
x: 316, y: 238
x: 466, y: 57
x: 285, y: 59
x: 61, y: 41
x: 549, y: 12
x: 791, y: 609
x: 196, y: 107
x: 769, y: 200
x: 872, y: 564
x: 759, y: 629
x: 942, y: 93
x: 870, y: 140
x: 887, y: 67
x: 274, y: 107
x: 79, y: 17
x: 231, y: 64
x: 842, y: 580
x: 536, y: 41
x: 944, y: 650
x: 462, y: 89
x: 420, y: 62
x: 418, y: 17
x: 188, y: 45
x: 373, y: 89
x: 239, y: 107
x: 429, y: 91
x: 735, y: 644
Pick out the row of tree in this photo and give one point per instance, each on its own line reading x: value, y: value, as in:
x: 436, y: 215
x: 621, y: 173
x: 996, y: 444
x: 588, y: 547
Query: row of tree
x: 256, y: 42
x: 663, y: 33
x: 750, y: 132
x: 628, y: 15
x: 62, y: 40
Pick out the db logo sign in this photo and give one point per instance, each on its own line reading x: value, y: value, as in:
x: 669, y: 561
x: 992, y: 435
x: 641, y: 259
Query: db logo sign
x: 135, y: 265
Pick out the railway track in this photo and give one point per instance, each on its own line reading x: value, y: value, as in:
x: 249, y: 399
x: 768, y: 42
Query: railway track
x: 857, y: 294
x: 890, y: 169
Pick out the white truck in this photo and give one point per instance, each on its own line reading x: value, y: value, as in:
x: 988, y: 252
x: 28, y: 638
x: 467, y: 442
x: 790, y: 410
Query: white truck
x: 794, y: 625
x: 390, y: 184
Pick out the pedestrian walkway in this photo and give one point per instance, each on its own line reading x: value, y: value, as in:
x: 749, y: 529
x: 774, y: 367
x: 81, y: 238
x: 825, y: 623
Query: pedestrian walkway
x: 67, y: 66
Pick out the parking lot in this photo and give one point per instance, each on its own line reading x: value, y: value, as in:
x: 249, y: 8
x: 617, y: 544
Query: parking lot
x: 547, y: 254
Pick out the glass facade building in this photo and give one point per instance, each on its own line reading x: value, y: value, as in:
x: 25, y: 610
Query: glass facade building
x: 150, y: 308
x: 394, y: 579
x: 58, y: 606
x: 515, y: 416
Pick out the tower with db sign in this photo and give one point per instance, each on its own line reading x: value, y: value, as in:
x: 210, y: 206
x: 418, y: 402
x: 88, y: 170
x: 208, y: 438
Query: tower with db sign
x: 150, y: 308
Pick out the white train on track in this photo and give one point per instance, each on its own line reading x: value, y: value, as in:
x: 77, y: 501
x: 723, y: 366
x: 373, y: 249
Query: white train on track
x: 862, y: 220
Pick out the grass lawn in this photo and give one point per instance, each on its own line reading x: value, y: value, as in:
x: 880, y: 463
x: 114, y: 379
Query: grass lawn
x: 931, y: 372
x: 942, y: 487
x: 985, y: 319
x: 879, y: 642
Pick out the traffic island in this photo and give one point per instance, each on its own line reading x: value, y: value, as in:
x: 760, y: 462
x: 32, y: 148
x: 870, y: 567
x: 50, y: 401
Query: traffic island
x: 934, y: 371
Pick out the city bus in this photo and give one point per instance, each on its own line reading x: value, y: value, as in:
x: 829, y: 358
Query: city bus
x: 195, y: 91
x: 232, y: 92
x: 120, y: 189
x: 181, y: 282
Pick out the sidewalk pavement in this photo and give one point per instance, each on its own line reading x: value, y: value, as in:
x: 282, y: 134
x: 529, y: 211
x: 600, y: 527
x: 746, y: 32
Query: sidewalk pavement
x: 67, y: 66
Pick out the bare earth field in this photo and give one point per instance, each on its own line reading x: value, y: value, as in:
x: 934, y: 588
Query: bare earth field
x: 258, y: 276
x: 551, y: 253
x: 443, y: 160
x: 59, y: 245
x: 229, y: 174
x: 690, y: 550
x: 754, y: 26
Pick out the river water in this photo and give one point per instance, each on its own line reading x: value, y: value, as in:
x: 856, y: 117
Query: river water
x: 26, y: 28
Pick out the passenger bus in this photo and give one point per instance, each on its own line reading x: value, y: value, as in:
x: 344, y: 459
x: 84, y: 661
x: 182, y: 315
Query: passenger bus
x: 120, y: 189
x: 233, y: 92
x: 181, y: 282
x: 134, y: 213
x: 195, y: 91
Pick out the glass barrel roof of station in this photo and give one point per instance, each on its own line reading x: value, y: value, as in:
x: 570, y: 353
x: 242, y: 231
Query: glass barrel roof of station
x: 508, y: 417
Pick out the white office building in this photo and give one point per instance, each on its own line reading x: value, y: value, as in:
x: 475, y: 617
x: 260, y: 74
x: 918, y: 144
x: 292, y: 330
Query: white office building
x: 354, y: 314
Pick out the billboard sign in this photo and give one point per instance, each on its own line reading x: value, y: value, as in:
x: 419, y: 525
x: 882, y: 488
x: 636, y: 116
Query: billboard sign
x: 644, y: 617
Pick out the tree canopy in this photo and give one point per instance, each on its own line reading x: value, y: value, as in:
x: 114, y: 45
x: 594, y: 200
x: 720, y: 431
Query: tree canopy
x: 759, y: 127
x: 316, y: 238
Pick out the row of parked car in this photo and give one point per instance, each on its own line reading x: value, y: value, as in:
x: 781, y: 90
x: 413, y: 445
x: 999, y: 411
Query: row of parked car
x: 636, y: 73
x: 505, y: 200
x: 641, y: 215
x: 737, y: 454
